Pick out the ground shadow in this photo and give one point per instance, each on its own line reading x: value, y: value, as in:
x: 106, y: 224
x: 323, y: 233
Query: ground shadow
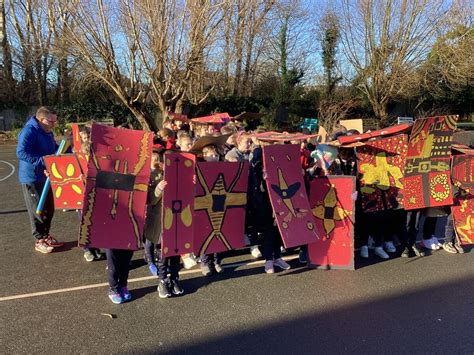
x: 400, y: 323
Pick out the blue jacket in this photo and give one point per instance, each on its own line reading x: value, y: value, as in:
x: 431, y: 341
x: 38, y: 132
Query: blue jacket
x: 33, y: 144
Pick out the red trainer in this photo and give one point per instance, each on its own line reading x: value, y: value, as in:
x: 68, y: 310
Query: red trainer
x: 52, y: 242
x: 43, y: 247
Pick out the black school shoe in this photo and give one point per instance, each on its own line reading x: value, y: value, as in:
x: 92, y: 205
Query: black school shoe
x: 163, y: 289
x: 176, y: 289
x: 411, y: 251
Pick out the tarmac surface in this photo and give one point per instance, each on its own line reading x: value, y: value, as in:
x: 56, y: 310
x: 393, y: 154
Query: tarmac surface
x: 57, y: 303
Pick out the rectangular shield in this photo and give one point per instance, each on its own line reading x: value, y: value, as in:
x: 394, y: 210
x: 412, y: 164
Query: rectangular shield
x: 288, y: 194
x: 463, y: 217
x: 381, y: 164
x: 67, y: 180
x: 427, y: 178
x: 333, y: 207
x: 116, y: 188
x: 178, y: 204
x: 219, y: 206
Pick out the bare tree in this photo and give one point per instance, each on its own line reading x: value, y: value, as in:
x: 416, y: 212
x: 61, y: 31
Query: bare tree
x: 6, y: 57
x: 384, y: 41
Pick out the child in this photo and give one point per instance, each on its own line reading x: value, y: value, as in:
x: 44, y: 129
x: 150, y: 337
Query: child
x: 210, y: 261
x: 90, y: 254
x: 241, y: 151
x: 118, y: 267
x: 152, y: 228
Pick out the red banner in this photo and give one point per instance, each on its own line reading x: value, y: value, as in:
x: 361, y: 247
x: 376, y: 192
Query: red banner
x: 381, y: 165
x: 219, y: 206
x: 287, y: 194
x: 178, y: 204
x: 116, y: 188
x: 332, y: 204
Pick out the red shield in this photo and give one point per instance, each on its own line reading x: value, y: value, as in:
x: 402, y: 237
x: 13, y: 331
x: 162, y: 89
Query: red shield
x: 463, y: 216
x: 427, y: 171
x: 67, y: 180
x: 378, y: 133
x: 219, y: 206
x: 381, y: 165
x: 76, y: 138
x: 116, y: 188
x: 178, y: 204
x: 287, y: 194
x: 462, y: 171
x: 332, y: 205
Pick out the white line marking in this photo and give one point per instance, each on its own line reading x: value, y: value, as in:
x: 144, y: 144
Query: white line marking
x: 138, y: 279
x: 11, y: 166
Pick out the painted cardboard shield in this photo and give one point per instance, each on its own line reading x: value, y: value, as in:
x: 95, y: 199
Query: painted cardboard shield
x: 427, y: 181
x: 462, y: 171
x: 116, y: 188
x: 178, y: 204
x: 67, y: 180
x: 76, y: 138
x: 389, y: 131
x: 381, y: 166
x: 287, y: 194
x: 463, y: 217
x: 332, y: 204
x: 282, y: 137
x: 219, y: 206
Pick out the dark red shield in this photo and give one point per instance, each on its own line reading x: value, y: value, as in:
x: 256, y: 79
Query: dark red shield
x: 332, y: 204
x: 178, y: 204
x: 219, y: 206
x: 116, y: 188
x: 288, y: 195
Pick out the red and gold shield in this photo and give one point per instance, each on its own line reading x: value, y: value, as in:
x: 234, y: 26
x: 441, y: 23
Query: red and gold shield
x: 116, y: 188
x: 332, y: 204
x: 463, y: 217
x: 381, y: 165
x: 219, y: 206
x: 427, y: 169
x: 178, y: 204
x: 462, y: 171
x: 67, y: 180
x: 287, y: 194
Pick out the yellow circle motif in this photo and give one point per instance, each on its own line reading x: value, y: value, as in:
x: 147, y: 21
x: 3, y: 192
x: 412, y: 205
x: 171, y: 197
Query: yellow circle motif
x: 168, y: 162
x: 118, y: 148
x: 310, y: 226
x: 187, y: 245
x: 165, y: 249
x: 441, y: 180
x: 188, y: 163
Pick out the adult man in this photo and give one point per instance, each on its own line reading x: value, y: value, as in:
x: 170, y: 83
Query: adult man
x: 35, y: 141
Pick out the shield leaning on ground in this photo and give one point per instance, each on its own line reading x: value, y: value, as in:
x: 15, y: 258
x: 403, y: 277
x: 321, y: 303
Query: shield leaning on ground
x: 288, y: 195
x: 178, y: 204
x: 116, y: 188
x: 219, y: 206
x: 333, y: 206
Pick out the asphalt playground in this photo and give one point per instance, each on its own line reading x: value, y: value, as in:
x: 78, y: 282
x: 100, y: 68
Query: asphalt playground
x: 57, y: 303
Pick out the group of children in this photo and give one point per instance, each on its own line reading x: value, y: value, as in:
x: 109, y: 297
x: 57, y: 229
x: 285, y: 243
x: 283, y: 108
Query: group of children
x: 376, y: 230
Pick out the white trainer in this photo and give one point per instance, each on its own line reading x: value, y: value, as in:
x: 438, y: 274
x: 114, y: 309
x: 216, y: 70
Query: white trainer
x: 381, y: 253
x: 255, y: 252
x: 429, y: 244
x: 370, y: 243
